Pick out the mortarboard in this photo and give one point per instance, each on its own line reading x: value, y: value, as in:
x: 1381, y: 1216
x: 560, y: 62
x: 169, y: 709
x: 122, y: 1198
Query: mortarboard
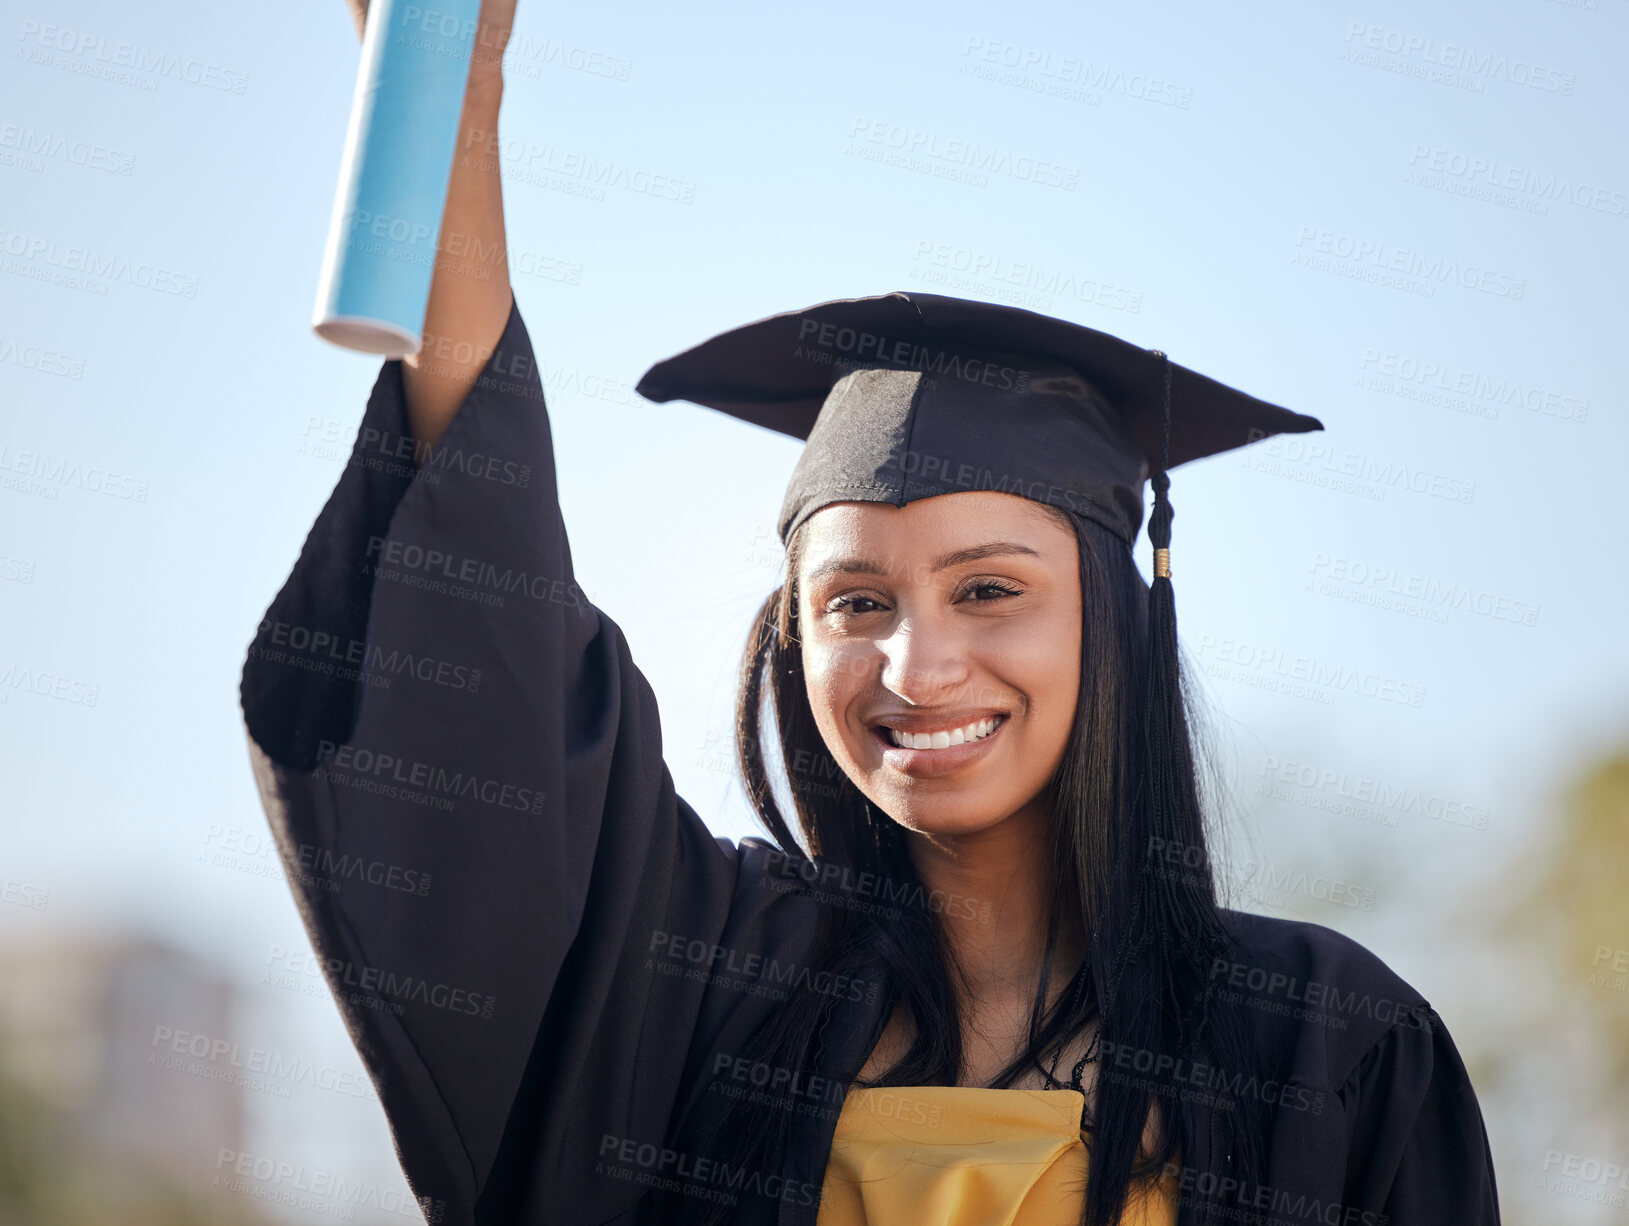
x: 904, y: 396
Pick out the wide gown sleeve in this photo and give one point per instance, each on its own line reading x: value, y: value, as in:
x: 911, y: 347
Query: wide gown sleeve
x: 463, y: 769
x: 1419, y: 1151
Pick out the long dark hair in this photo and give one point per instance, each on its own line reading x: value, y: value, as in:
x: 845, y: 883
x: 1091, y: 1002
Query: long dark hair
x: 1153, y: 931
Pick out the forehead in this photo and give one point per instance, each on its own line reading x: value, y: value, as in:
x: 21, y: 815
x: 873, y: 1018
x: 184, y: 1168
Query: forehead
x: 929, y: 527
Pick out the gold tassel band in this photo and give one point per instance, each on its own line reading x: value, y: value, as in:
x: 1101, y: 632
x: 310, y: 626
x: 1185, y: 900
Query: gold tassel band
x: 1162, y: 564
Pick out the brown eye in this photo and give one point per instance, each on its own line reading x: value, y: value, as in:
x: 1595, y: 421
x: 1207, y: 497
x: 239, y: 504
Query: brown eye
x: 997, y: 591
x: 846, y: 604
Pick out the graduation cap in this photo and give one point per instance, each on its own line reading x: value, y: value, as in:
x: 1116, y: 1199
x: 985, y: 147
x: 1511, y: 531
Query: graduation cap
x: 905, y: 396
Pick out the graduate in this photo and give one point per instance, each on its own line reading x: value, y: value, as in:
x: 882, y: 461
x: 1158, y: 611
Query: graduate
x: 977, y: 972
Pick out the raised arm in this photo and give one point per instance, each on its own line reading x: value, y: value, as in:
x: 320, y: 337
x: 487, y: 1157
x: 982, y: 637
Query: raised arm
x: 463, y: 769
x: 470, y: 296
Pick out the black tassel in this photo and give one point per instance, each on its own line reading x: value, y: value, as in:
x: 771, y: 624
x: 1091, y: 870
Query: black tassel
x: 1168, y: 797
x: 1164, y: 697
x: 1157, y: 906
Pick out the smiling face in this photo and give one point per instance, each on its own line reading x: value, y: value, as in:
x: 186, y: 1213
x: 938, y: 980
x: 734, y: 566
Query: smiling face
x: 941, y: 649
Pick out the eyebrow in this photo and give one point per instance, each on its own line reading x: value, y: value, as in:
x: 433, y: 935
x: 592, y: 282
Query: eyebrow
x: 956, y: 557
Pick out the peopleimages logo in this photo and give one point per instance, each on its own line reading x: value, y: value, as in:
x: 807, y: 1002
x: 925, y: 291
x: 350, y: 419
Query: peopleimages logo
x: 861, y: 347
x: 1384, y: 798
x: 325, y: 646
x: 878, y: 139
x: 434, y: 568
x: 254, y: 1068
x: 713, y: 962
x: 93, y: 55
x: 347, y: 764
x: 1429, y: 595
x: 927, y: 473
x: 1284, y: 1206
x: 38, y: 358
x: 98, y: 266
x: 1197, y: 1081
x: 61, y: 472
x: 378, y: 984
x: 1042, y: 282
x: 317, y: 1191
x: 673, y: 1170
x: 1366, y: 258
x: 1379, y: 474
x: 832, y: 881
x: 32, y: 143
x: 1465, y: 391
x: 1094, y: 80
x: 527, y: 160
x: 1491, y: 173
x: 1254, y: 664
x: 1458, y: 58
x: 1310, y: 999
x: 776, y: 1080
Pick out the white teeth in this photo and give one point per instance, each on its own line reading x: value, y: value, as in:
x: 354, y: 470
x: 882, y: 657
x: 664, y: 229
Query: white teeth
x: 975, y: 731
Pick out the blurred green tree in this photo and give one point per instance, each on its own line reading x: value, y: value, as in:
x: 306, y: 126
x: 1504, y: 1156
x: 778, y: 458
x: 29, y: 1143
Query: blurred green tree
x: 49, y: 1176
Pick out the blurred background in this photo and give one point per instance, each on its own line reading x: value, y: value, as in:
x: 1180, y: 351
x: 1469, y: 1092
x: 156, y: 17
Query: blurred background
x: 1410, y: 220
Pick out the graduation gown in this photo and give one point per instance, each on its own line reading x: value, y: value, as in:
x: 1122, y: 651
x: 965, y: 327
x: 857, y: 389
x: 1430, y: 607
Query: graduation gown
x: 550, y: 966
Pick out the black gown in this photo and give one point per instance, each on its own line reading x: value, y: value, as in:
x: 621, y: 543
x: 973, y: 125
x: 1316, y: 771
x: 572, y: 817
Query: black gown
x: 549, y: 964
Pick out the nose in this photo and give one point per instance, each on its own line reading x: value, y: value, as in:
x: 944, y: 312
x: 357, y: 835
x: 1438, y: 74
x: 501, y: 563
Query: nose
x: 924, y: 663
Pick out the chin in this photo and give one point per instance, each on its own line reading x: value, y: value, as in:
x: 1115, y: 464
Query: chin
x: 943, y: 809
x: 945, y: 826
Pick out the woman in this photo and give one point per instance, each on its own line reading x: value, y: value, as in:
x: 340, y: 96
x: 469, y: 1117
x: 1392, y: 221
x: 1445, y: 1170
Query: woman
x: 998, y: 948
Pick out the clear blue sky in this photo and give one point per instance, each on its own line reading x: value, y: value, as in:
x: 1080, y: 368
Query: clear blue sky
x: 1406, y: 219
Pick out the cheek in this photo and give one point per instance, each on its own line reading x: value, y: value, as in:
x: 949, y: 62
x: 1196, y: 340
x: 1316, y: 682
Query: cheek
x: 835, y: 673
x: 1063, y: 665
x: 1043, y: 660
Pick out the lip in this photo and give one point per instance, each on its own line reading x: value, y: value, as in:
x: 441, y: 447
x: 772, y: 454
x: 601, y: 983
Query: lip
x: 931, y: 763
x: 940, y: 721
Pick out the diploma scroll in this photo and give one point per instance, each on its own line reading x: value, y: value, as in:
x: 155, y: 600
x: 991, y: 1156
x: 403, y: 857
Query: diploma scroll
x: 399, y: 148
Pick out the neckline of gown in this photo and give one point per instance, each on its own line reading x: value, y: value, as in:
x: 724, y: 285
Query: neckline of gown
x: 1051, y: 1106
